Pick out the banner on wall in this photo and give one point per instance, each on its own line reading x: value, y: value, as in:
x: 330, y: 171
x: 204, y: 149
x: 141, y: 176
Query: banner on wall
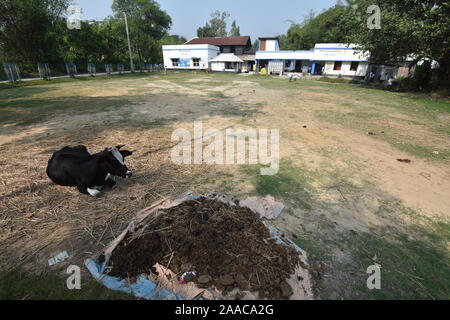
x: 185, y: 63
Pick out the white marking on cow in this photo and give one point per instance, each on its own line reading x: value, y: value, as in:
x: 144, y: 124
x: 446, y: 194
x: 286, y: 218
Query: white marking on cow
x: 116, y: 153
x: 93, y: 192
x: 107, y: 177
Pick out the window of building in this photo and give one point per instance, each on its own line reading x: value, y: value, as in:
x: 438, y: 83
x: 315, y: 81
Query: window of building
x: 287, y: 63
x: 354, y: 66
x: 196, y: 62
x: 337, y: 65
x: 175, y: 62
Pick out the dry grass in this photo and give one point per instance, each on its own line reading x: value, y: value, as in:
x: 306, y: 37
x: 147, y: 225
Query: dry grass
x: 40, y: 219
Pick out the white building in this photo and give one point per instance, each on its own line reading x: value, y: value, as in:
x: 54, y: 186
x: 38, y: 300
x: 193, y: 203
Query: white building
x: 226, y: 62
x: 334, y: 59
x: 189, y: 56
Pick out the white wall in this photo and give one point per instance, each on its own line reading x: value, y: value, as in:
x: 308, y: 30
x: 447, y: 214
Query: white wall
x: 345, y: 69
x: 218, y: 66
x: 284, y: 55
x: 338, y: 52
x: 324, y: 52
x: 204, y: 52
x: 272, y: 45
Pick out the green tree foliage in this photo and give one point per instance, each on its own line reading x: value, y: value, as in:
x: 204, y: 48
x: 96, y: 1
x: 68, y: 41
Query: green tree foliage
x: 235, y: 30
x: 29, y: 30
x: 255, y: 45
x: 147, y: 23
x: 172, y: 39
x: 34, y: 31
x: 169, y: 40
x: 282, y: 41
x: 216, y: 26
x: 98, y: 42
x: 332, y: 25
x: 419, y: 29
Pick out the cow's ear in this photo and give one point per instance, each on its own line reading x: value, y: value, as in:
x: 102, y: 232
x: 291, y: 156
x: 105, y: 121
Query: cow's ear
x: 120, y: 146
x: 126, y: 153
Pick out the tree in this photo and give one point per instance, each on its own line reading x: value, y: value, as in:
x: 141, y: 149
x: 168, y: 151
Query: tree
x: 332, y: 25
x: 172, y: 39
x: 167, y: 40
x: 147, y: 23
x: 282, y: 41
x: 29, y: 30
x: 235, y: 30
x: 255, y: 45
x: 215, y: 27
x: 419, y: 29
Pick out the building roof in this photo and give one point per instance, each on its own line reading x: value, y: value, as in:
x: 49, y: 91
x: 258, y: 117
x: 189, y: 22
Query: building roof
x: 226, y: 57
x: 247, y: 57
x: 268, y: 38
x: 225, y: 41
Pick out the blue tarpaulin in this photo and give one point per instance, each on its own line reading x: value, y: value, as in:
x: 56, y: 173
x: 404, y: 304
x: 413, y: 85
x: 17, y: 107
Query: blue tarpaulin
x: 144, y: 288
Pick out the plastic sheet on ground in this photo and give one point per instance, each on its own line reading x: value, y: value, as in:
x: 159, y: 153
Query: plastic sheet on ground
x: 165, y: 286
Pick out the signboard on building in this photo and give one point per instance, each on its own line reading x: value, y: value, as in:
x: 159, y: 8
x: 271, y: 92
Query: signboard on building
x: 184, y: 63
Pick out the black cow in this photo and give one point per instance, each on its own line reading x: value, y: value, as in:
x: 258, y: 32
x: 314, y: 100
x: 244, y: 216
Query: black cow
x: 77, y: 167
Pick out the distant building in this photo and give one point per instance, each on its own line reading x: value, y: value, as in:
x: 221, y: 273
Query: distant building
x: 335, y: 59
x: 189, y: 56
x: 226, y: 62
x: 230, y: 53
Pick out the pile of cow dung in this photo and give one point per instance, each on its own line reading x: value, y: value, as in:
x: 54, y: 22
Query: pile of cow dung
x: 228, y: 247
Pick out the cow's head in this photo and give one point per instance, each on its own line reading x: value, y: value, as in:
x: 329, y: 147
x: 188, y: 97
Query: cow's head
x: 114, y: 159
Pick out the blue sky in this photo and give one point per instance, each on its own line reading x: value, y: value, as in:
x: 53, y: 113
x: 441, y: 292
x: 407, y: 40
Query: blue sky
x: 257, y: 18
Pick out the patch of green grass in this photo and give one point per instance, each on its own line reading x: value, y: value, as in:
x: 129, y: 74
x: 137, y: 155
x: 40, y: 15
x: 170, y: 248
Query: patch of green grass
x: 422, y: 151
x: 378, y: 123
x: 290, y: 183
x: 184, y: 78
x: 148, y: 124
x: 38, y: 82
x: 35, y: 101
x: 414, y: 267
x: 218, y: 94
x: 16, y: 285
x: 335, y: 80
x: 25, y: 111
x: 414, y: 257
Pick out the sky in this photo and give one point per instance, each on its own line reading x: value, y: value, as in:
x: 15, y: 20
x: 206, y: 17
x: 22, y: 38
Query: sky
x: 257, y: 18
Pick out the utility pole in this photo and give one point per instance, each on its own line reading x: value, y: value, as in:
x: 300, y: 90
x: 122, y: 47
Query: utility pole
x: 129, y: 43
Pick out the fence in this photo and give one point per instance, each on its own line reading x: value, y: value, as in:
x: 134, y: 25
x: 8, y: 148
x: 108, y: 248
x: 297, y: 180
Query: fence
x: 92, y: 70
x: 44, y: 71
x: 13, y: 74
x: 120, y: 68
x: 71, y: 69
x: 12, y: 71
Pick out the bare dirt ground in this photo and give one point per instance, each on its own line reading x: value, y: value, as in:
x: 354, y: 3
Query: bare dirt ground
x: 350, y: 202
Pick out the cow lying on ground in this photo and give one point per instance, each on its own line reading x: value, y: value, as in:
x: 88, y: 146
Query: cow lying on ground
x: 90, y: 173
